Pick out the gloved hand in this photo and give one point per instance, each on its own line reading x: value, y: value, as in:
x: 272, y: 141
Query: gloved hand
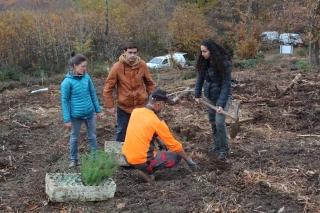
x: 192, y: 165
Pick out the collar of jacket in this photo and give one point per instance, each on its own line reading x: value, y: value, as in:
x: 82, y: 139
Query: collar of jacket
x: 151, y: 108
x: 70, y: 72
x: 122, y: 58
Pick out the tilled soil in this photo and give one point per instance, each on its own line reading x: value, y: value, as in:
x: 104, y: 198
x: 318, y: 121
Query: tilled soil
x: 273, y: 164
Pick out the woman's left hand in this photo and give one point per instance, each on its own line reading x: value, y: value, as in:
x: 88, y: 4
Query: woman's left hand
x: 99, y: 115
x: 220, y: 110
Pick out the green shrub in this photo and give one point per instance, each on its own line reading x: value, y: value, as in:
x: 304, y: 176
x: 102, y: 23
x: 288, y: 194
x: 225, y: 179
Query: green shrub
x: 247, y: 64
x: 302, y: 64
x: 10, y: 72
x: 2, y: 76
x: 97, y: 166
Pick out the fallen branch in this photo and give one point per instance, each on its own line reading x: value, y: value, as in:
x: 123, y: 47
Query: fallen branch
x: 21, y: 124
x: 310, y: 135
x: 181, y: 93
x: 43, y: 125
x: 3, y: 119
x: 293, y: 82
x: 255, y: 101
x: 246, y: 119
x: 241, y: 121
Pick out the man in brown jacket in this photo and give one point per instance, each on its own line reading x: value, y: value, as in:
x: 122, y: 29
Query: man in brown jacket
x: 132, y: 78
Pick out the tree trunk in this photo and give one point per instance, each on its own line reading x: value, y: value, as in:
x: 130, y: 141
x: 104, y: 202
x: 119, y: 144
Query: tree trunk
x: 310, y: 53
x: 107, y: 34
x: 249, y: 19
x: 41, y: 40
x: 316, y: 52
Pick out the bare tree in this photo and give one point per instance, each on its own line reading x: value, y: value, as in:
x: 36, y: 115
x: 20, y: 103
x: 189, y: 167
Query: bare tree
x: 107, y: 33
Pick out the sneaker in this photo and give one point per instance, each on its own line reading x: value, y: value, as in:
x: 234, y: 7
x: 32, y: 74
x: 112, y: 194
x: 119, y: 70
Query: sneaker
x: 214, y: 150
x: 223, y: 155
x: 78, y: 163
x: 73, y: 163
x: 144, y: 176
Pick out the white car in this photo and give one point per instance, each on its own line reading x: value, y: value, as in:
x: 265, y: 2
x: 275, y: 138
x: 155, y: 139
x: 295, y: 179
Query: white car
x: 270, y: 37
x: 164, y: 61
x: 290, y: 38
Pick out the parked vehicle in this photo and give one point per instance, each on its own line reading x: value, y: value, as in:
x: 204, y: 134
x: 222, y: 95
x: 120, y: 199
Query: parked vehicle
x: 290, y: 38
x: 165, y: 62
x: 270, y: 37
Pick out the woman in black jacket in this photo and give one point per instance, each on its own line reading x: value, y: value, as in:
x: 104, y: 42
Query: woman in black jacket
x: 214, y: 69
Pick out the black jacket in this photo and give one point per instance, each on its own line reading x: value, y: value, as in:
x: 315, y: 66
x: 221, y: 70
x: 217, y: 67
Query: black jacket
x: 214, y: 88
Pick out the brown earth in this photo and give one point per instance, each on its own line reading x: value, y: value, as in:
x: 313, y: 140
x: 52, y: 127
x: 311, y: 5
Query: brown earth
x: 273, y: 164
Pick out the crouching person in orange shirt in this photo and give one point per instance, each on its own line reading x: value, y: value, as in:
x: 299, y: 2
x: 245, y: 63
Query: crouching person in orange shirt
x: 143, y: 129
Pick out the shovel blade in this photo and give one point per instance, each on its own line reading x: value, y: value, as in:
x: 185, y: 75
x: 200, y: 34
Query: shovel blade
x: 234, y: 129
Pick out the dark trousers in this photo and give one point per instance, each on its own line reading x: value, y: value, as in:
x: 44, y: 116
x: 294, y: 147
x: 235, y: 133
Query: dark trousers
x: 161, y: 161
x: 122, y: 120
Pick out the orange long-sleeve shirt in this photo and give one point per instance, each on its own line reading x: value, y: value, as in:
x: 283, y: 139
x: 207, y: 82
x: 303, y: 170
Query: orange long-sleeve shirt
x: 138, y: 146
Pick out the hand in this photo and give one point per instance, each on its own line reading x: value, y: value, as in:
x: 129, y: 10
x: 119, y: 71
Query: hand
x: 68, y: 125
x: 111, y: 111
x: 99, y: 115
x: 220, y: 110
x: 197, y: 100
x: 192, y: 165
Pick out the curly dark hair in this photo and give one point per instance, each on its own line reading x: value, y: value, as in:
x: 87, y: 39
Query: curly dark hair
x: 217, y: 56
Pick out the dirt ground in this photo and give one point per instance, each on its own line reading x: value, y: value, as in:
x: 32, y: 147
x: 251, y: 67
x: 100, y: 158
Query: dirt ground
x: 273, y: 165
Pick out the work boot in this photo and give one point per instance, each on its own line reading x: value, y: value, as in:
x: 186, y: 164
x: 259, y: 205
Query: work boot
x: 223, y: 155
x: 73, y: 163
x: 144, y: 176
x: 214, y: 150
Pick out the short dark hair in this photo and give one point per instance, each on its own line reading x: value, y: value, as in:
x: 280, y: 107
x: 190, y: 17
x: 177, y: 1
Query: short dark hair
x: 130, y: 45
x: 160, y: 95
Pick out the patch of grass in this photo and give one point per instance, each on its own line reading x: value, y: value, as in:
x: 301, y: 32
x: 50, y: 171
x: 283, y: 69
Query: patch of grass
x: 192, y: 62
x: 301, y: 52
x: 97, y: 166
x: 247, y: 64
x: 302, y: 64
x: 188, y: 75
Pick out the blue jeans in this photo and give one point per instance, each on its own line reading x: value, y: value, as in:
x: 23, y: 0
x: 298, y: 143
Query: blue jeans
x: 75, y: 134
x: 122, y: 120
x: 218, y: 126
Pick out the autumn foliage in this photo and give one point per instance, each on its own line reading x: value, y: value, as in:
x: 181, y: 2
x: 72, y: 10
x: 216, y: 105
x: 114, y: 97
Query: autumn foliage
x: 41, y: 34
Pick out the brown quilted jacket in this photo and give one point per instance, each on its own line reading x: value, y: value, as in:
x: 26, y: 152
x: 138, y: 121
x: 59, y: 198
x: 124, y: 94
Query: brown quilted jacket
x: 134, y: 84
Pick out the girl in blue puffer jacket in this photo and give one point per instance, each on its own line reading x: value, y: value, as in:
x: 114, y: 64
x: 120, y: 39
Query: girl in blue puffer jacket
x: 214, y: 69
x: 79, y: 104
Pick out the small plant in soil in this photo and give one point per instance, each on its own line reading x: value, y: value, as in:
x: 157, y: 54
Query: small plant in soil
x: 97, y: 166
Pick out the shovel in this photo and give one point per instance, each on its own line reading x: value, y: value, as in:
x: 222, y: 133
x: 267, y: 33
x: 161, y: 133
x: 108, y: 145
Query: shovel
x: 234, y: 127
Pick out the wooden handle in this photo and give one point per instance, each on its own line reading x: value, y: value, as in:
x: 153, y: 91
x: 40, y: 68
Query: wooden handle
x: 235, y: 118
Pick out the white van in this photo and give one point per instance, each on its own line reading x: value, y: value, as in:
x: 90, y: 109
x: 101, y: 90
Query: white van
x: 290, y: 38
x: 164, y: 61
x: 270, y: 37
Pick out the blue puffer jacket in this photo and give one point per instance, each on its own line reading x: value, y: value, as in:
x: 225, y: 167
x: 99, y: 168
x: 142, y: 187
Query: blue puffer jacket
x: 78, y: 97
x: 214, y: 88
